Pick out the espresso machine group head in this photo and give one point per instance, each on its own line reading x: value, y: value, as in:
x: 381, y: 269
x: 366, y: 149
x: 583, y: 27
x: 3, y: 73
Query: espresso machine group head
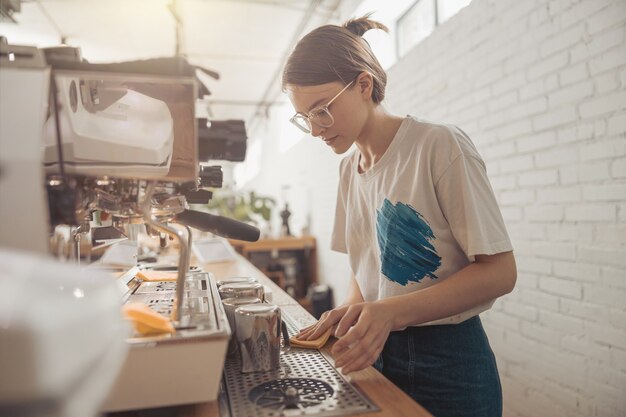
x: 128, y: 144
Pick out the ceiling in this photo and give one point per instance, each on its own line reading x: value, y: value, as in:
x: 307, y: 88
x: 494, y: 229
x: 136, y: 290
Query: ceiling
x: 245, y: 41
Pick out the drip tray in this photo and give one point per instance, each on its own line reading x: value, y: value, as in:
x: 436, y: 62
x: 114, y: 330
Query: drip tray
x: 305, y: 384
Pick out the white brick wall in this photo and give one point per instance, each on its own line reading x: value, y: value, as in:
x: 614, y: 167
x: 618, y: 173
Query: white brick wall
x: 540, y: 86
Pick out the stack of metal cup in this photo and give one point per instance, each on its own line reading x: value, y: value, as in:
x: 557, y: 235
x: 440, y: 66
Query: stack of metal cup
x: 236, y: 292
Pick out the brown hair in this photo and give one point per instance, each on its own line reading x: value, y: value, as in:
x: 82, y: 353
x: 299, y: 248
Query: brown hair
x: 336, y: 53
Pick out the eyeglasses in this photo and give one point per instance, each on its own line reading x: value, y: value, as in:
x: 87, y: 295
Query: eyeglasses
x: 320, y: 115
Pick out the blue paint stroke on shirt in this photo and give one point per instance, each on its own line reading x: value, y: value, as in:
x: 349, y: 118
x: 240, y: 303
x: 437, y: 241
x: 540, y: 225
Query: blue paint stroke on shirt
x: 404, y: 239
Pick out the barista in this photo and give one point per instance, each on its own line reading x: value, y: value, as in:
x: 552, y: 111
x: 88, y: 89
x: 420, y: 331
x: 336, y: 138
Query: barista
x: 419, y: 221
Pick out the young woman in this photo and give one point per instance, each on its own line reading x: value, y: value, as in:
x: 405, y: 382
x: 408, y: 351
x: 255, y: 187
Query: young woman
x: 419, y: 221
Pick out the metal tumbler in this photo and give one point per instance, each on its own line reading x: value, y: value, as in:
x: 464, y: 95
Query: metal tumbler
x: 230, y: 305
x: 232, y: 280
x: 242, y: 289
x: 259, y: 328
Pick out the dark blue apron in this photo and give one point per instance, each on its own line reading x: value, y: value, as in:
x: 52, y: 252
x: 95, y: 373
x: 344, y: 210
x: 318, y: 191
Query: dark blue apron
x: 449, y: 369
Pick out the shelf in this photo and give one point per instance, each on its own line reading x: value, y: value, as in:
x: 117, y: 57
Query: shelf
x: 285, y: 243
x: 268, y: 254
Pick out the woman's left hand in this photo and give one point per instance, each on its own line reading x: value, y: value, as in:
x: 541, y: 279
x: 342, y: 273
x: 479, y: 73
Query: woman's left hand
x: 362, y: 333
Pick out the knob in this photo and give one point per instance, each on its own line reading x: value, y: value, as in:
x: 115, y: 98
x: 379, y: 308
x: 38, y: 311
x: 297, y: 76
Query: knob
x: 211, y: 176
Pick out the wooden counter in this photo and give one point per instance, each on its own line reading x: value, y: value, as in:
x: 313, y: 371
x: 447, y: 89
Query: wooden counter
x: 391, y: 400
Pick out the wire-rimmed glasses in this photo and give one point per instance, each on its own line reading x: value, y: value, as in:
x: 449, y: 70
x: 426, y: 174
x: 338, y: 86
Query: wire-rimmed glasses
x: 320, y: 115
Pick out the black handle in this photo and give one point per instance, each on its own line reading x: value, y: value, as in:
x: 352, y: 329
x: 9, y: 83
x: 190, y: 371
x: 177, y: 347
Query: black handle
x: 219, y: 225
x: 286, y: 341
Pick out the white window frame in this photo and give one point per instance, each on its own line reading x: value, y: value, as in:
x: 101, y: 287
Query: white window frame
x: 437, y: 22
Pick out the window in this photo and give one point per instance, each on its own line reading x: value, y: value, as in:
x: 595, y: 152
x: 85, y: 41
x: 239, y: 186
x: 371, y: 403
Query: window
x: 421, y: 19
x: 448, y: 8
x: 386, y: 12
x: 416, y: 24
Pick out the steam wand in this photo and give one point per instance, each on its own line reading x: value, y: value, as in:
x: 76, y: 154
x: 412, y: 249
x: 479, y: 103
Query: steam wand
x: 183, y: 262
x: 189, y: 243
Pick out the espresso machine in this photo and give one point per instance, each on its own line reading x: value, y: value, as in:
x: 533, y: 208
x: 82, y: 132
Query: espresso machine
x: 121, y: 141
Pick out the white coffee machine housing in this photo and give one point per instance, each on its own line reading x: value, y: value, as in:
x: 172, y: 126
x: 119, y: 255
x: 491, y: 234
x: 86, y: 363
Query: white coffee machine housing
x: 24, y: 86
x: 109, y: 129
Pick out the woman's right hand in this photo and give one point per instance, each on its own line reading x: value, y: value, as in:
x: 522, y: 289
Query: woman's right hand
x: 328, y: 319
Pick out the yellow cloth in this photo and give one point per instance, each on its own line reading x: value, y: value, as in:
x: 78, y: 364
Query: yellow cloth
x: 145, y: 320
x: 149, y: 275
x: 311, y: 344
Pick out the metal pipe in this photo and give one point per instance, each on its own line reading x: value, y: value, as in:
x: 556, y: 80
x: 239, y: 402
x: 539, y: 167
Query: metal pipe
x: 75, y: 239
x: 189, y: 243
x: 183, y: 262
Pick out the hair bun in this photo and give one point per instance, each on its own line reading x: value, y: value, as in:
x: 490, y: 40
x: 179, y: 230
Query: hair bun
x: 360, y: 25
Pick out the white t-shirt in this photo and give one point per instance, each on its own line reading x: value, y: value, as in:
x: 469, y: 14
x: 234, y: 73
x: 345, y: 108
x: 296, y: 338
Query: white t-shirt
x: 419, y: 215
